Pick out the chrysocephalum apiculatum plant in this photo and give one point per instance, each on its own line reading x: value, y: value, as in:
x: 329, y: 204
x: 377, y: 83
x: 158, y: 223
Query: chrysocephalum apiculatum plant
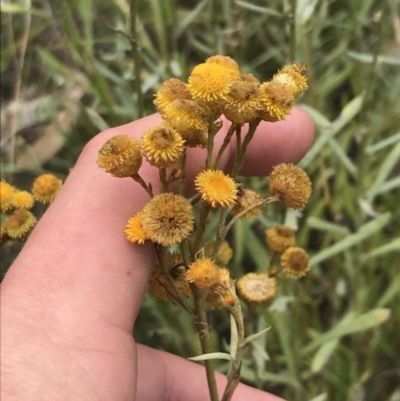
x: 16, y: 206
x: 196, y: 277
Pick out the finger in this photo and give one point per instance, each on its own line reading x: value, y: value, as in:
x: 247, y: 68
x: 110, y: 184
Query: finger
x: 176, y: 379
x: 78, y: 258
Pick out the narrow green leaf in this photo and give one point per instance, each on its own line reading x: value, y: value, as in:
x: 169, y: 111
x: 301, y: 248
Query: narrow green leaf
x: 371, y: 149
x: 323, y: 355
x: 360, y: 323
x: 347, y: 114
x: 190, y: 17
x: 305, y: 9
x: 321, y: 397
x: 345, y: 160
x: 254, y: 336
x: 234, y: 337
x: 323, y: 225
x: 212, y: 355
x: 369, y: 58
x: 387, y: 166
x: 258, y: 9
x: 392, y: 246
x: 363, y: 232
x: 96, y: 119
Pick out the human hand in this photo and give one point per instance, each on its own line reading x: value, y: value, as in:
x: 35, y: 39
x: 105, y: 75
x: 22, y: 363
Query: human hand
x: 70, y: 300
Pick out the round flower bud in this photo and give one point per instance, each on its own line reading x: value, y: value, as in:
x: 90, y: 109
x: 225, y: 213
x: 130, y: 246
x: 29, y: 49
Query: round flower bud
x: 276, y: 101
x: 162, y: 146
x: 295, y: 262
x: 23, y: 199
x: 19, y: 223
x: 167, y: 219
x: 7, y: 193
x: 204, y: 273
x: 210, y: 82
x: 120, y: 156
x: 293, y: 77
x: 279, y: 238
x: 224, y: 254
x: 290, y: 184
x: 172, y: 89
x: 46, y: 187
x: 245, y: 199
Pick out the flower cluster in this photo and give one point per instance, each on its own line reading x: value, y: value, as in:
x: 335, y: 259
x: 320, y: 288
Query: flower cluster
x: 17, y: 205
x: 192, y: 268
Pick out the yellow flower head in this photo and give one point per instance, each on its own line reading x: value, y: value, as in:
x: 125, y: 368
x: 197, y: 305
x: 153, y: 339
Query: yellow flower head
x: 46, y: 187
x: 134, y: 231
x: 190, y: 119
x: 293, y: 77
x: 216, y: 188
x: 172, y: 89
x: 276, y: 101
x: 210, y: 82
x: 23, y: 199
x: 291, y: 184
x: 120, y: 156
x: 204, y: 273
x: 162, y: 146
x: 168, y: 219
x: 3, y: 234
x: 247, y: 198
x: 224, y: 254
x: 256, y: 288
x: 295, y: 262
x: 159, y: 284
x: 7, y: 193
x: 243, y: 102
x: 279, y: 238
x: 19, y: 223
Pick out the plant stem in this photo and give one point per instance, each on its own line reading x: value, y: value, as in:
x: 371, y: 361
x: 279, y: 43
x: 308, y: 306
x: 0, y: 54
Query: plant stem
x: 146, y: 187
x: 133, y: 38
x: 234, y: 371
x: 203, y: 332
x: 225, y: 144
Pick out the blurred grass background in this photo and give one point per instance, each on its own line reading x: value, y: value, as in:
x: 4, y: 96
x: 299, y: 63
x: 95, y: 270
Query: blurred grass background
x: 68, y: 71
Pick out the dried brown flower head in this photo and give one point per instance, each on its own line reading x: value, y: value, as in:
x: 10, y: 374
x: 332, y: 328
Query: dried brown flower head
x: 190, y: 119
x: 19, y: 223
x: 245, y: 199
x: 276, y: 100
x: 204, y: 273
x: 279, y: 238
x: 293, y: 77
x: 224, y: 61
x: 159, y: 284
x: 256, y: 288
x: 120, y: 156
x: 295, y: 262
x: 46, y: 187
x: 224, y: 254
x: 291, y: 184
x: 168, y: 219
x: 243, y: 100
x: 162, y: 146
x: 172, y: 89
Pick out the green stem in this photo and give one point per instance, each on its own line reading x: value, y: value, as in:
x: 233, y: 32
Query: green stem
x: 234, y: 371
x: 182, y: 178
x: 205, y: 209
x: 133, y: 38
x: 163, y: 179
x: 204, y: 335
x: 225, y: 144
x: 146, y: 187
x: 241, y: 156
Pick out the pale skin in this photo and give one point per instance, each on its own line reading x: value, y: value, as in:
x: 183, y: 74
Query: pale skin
x: 70, y: 300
